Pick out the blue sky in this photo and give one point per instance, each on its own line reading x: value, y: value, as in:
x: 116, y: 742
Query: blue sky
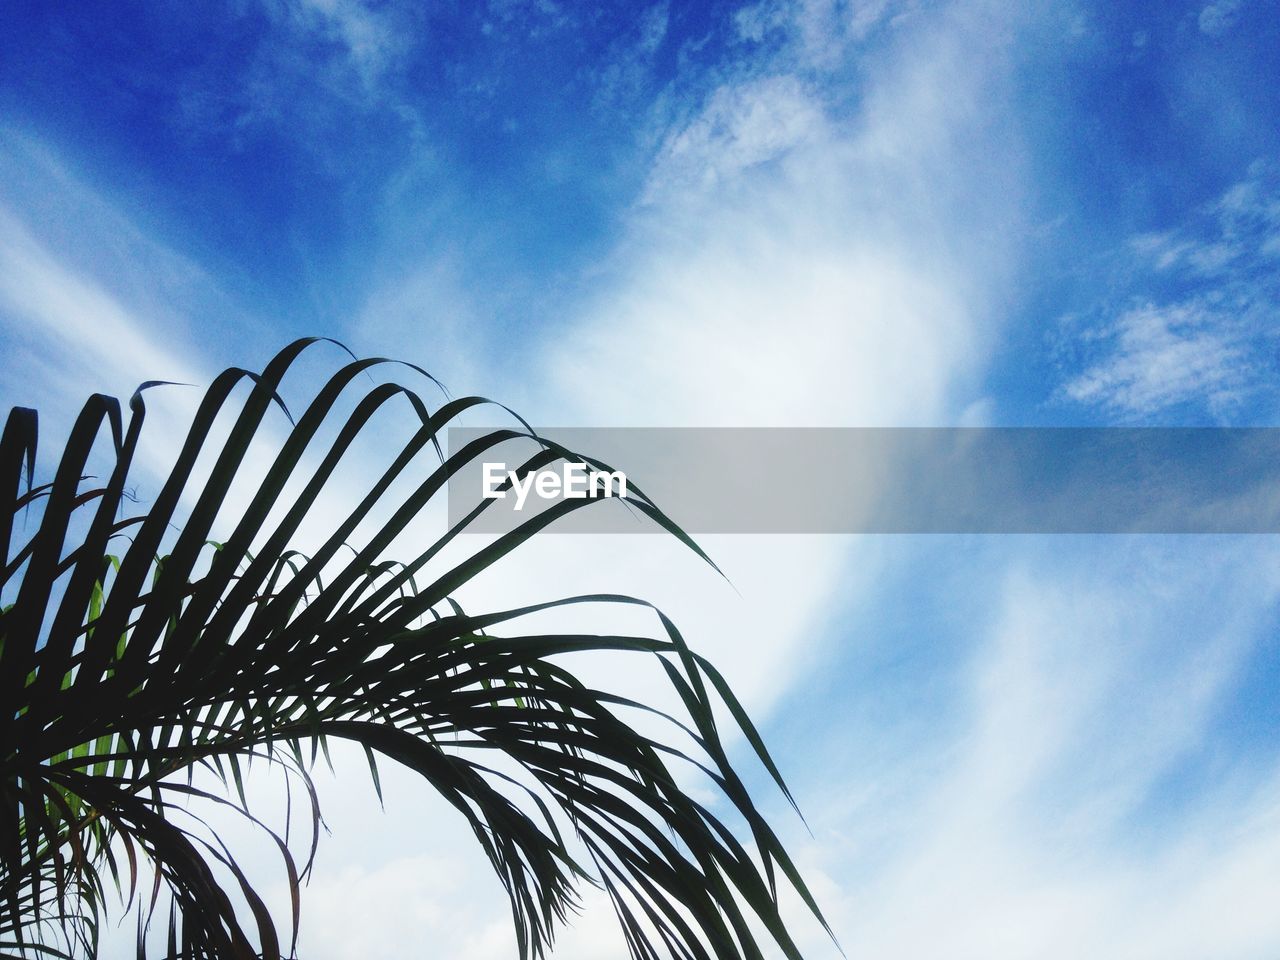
x: 790, y: 212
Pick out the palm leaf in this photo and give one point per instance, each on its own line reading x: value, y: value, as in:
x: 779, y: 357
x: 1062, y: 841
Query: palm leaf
x: 137, y: 650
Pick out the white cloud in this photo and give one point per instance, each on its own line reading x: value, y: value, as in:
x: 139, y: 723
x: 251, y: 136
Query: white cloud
x: 791, y: 268
x: 1249, y: 212
x: 756, y: 21
x: 94, y: 332
x: 372, y: 38
x: 90, y: 303
x: 91, y: 295
x: 362, y: 909
x: 1072, y: 809
x: 622, y: 83
x: 1238, y: 232
x: 818, y: 33
x: 315, y: 68
x: 785, y: 269
x: 796, y: 268
x: 742, y: 126
x: 653, y: 26
x: 1165, y: 356
x: 1208, y: 343
x: 433, y: 296
x: 67, y: 337
x: 1219, y: 17
x: 1078, y: 798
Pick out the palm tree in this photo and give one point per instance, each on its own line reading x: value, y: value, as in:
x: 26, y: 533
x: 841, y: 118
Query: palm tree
x: 136, y: 652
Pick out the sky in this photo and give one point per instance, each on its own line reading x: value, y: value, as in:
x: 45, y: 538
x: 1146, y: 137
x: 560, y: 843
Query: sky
x: 781, y: 213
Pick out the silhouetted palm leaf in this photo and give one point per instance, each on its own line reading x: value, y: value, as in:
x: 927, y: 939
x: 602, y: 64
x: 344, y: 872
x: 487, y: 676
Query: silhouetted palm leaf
x: 132, y: 655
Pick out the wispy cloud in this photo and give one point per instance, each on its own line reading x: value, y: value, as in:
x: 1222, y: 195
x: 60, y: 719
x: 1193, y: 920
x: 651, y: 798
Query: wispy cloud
x: 314, y: 66
x: 626, y: 76
x: 1219, y: 17
x: 86, y: 298
x: 57, y: 311
x: 1236, y: 236
x: 784, y: 267
x: 822, y: 238
x: 1198, y: 333
x: 369, y: 37
x: 1080, y: 797
x: 1160, y: 357
x: 815, y: 34
x: 91, y: 302
x: 742, y: 126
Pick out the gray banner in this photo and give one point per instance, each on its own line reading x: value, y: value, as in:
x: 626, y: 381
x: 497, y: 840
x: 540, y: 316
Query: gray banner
x: 872, y: 480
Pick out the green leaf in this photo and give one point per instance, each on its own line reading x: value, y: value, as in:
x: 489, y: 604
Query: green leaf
x: 207, y: 640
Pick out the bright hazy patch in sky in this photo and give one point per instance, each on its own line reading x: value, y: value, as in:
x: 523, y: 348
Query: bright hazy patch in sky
x: 789, y: 212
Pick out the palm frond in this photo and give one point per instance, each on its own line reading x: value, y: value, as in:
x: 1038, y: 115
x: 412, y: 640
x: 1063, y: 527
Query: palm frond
x: 133, y: 655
